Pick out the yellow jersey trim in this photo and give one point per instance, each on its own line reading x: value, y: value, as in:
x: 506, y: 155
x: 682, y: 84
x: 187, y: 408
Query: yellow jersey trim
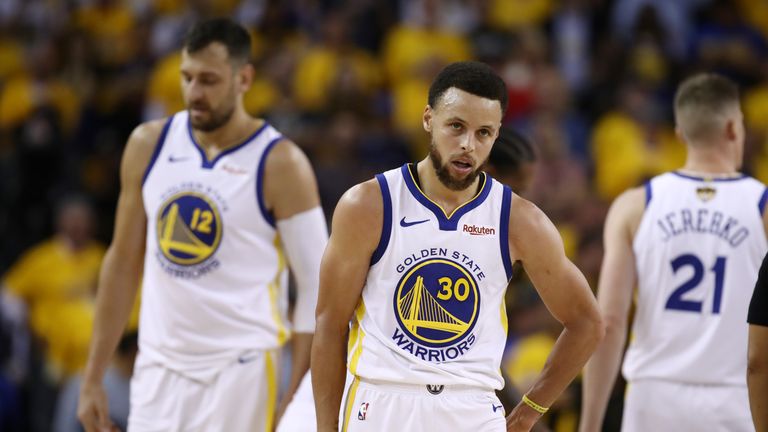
x: 271, y: 389
x: 504, y: 319
x: 480, y: 191
x: 359, y: 336
x: 274, y: 291
x: 350, y: 403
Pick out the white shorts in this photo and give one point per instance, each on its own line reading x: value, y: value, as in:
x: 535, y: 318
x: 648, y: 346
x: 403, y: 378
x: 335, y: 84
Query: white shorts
x: 242, y: 397
x: 654, y: 405
x: 376, y: 407
x: 299, y: 416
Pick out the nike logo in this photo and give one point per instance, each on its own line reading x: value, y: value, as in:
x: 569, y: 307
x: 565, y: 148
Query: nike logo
x: 405, y: 224
x: 497, y: 407
x: 173, y: 159
x: 248, y: 359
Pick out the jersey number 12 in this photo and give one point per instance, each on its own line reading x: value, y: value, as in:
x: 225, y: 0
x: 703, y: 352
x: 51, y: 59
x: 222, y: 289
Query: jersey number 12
x: 676, y: 301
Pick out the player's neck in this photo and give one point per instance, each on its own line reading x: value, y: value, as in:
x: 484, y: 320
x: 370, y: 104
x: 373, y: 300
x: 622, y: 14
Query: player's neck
x: 711, y: 163
x: 234, y: 132
x: 435, y: 190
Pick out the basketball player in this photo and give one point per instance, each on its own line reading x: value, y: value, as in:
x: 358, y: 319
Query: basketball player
x: 757, y: 366
x: 421, y: 256
x: 512, y: 161
x: 209, y: 199
x: 691, y: 241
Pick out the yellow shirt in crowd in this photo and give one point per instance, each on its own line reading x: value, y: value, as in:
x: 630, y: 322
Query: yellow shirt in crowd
x: 58, y: 286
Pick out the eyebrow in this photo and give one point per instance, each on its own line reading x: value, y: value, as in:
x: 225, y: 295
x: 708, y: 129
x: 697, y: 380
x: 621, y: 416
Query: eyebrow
x: 461, y: 120
x: 205, y: 73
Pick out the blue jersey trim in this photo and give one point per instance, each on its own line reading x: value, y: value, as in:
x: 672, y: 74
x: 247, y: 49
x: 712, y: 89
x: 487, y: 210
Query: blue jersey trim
x: 763, y: 200
x: 714, y: 179
x: 506, y: 204
x: 268, y: 216
x: 648, y: 193
x: 447, y: 222
x: 158, y: 147
x: 386, y: 227
x: 208, y: 164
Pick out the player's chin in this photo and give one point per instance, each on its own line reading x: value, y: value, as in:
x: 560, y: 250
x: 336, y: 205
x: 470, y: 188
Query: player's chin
x: 200, y: 124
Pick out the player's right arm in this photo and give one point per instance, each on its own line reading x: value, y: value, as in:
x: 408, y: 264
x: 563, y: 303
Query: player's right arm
x: 119, y: 277
x: 355, y: 233
x: 618, y: 278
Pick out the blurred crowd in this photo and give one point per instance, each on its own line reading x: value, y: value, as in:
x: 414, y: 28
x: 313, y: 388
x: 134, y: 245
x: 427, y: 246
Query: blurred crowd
x: 591, y: 84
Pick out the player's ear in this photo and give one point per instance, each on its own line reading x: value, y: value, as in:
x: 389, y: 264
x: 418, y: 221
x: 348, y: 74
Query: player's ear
x: 731, y: 129
x: 679, y: 133
x: 426, y: 119
x: 245, y: 76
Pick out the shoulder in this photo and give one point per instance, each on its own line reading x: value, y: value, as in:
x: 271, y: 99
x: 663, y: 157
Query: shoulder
x: 363, y: 200
x: 145, y: 136
x: 359, y: 218
x: 625, y: 214
x: 286, y: 155
x: 290, y: 186
x: 630, y: 205
x: 531, y: 232
x: 141, y: 146
x: 525, y: 215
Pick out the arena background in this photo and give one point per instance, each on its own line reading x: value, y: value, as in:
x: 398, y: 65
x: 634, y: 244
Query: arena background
x: 591, y: 83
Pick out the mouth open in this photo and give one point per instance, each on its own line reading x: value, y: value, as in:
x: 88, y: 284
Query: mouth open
x: 462, y: 166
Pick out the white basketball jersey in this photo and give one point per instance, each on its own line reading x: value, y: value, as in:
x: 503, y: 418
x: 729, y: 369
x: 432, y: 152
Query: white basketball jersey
x: 214, y: 282
x: 698, y: 250
x: 432, y: 309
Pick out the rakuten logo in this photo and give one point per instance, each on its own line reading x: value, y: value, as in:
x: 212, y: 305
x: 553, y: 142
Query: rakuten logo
x: 478, y: 230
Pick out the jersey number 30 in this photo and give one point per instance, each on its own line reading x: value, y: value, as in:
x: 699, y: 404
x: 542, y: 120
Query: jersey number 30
x: 676, y: 301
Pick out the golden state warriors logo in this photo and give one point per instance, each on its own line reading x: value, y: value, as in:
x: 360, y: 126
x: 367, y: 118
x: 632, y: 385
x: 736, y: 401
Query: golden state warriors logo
x: 188, y: 229
x: 436, y: 304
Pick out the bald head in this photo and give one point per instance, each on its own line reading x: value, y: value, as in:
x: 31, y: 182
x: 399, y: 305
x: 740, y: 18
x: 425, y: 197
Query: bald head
x: 704, y: 104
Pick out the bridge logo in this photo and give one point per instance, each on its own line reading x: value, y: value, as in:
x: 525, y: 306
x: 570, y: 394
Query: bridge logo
x: 188, y: 228
x: 437, y: 303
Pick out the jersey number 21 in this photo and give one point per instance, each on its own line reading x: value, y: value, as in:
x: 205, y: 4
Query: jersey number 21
x: 676, y: 301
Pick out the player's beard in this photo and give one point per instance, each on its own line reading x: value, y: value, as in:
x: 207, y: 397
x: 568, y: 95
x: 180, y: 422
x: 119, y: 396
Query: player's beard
x: 216, y: 118
x: 444, y: 173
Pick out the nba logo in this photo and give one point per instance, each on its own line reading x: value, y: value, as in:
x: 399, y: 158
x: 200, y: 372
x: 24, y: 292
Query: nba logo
x: 363, y: 411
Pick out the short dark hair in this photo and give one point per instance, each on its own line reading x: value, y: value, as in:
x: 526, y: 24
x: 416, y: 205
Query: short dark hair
x: 223, y: 30
x: 701, y: 101
x: 511, y: 150
x: 472, y: 77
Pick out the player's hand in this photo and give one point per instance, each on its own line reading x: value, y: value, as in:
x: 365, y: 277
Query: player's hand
x: 522, y: 419
x: 93, y: 410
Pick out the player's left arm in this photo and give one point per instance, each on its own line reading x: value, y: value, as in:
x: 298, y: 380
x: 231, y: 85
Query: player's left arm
x: 757, y: 353
x: 291, y: 193
x: 534, y: 241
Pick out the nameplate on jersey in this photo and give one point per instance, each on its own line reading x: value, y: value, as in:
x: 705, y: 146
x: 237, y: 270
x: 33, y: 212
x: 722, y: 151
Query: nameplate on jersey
x: 189, y: 230
x: 704, y: 221
x: 436, y: 304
